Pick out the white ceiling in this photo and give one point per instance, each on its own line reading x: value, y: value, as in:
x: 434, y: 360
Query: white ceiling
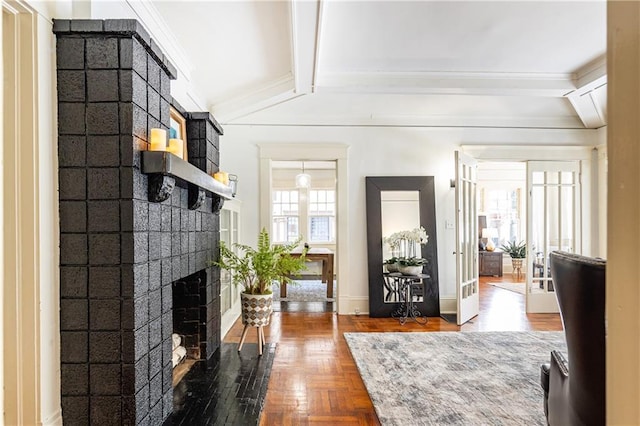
x: 536, y: 64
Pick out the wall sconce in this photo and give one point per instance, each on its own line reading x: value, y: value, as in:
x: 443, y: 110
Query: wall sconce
x: 303, y: 180
x: 233, y: 184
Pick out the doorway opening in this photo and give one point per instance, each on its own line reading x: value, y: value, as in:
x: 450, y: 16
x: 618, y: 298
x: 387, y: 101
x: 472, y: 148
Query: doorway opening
x: 303, y: 204
x: 502, y: 220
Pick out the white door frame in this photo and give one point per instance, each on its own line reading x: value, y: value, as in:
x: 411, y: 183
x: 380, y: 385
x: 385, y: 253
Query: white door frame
x: 314, y: 152
x: 30, y: 244
x: 21, y: 251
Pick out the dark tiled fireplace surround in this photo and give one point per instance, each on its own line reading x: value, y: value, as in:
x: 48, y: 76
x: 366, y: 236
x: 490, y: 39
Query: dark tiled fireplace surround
x: 120, y: 254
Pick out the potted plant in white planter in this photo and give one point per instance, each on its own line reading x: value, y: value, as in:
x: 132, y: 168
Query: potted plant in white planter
x: 411, y: 265
x: 517, y: 251
x: 391, y: 264
x: 255, y: 269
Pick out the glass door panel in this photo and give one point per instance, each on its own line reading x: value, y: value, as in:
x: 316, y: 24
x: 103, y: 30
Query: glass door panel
x: 552, y: 224
x: 225, y: 276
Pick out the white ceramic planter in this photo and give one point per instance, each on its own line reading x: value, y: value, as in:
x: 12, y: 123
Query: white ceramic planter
x: 410, y: 270
x: 392, y: 267
x: 256, y: 309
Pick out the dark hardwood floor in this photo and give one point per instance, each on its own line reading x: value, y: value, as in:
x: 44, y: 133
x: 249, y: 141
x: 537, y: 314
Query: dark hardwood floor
x: 227, y: 389
x: 314, y: 379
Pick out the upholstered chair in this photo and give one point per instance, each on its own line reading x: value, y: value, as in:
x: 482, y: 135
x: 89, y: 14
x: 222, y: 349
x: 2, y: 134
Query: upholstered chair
x: 574, y: 391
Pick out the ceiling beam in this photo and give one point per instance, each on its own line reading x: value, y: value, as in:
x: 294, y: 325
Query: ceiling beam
x: 274, y: 93
x: 591, y: 83
x: 305, y: 36
x: 305, y: 28
x: 462, y: 83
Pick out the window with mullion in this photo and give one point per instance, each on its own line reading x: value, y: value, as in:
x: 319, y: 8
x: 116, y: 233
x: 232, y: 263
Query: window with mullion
x: 285, y: 213
x: 322, y: 215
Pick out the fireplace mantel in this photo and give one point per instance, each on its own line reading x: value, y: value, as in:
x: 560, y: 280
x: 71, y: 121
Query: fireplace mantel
x: 166, y: 164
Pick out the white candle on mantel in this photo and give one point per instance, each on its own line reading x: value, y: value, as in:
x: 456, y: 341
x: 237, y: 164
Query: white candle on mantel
x: 176, y: 147
x: 158, y: 140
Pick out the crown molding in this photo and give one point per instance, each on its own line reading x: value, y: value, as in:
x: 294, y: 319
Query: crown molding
x: 273, y: 93
x: 463, y: 83
x: 162, y: 34
x: 355, y: 120
x: 592, y: 75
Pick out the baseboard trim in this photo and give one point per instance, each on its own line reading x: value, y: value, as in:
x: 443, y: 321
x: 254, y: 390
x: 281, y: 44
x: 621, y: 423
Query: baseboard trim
x: 448, y: 305
x: 55, y: 419
x: 350, y: 305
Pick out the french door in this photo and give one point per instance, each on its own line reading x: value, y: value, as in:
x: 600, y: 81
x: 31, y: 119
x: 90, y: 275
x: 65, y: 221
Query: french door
x: 553, y: 223
x: 467, y: 297
x: 229, y: 293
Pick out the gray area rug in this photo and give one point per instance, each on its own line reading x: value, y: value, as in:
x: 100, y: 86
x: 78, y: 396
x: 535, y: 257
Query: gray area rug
x: 455, y: 378
x: 303, y: 291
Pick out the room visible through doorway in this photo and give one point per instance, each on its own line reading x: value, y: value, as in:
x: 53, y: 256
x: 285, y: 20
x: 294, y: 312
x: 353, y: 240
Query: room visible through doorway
x: 304, y: 206
x: 501, y: 219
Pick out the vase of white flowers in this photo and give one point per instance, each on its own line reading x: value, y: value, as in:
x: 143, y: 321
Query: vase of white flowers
x: 405, y: 243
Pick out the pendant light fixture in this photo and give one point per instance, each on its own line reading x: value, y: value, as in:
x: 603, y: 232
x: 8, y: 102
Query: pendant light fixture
x: 303, y: 180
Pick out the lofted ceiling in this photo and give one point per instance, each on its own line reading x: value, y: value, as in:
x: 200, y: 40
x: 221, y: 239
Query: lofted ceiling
x: 537, y: 64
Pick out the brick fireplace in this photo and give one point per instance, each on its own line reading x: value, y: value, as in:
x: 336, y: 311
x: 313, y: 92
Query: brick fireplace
x: 122, y: 255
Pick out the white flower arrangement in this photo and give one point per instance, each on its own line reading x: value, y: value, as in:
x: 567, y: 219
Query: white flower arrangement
x: 417, y: 236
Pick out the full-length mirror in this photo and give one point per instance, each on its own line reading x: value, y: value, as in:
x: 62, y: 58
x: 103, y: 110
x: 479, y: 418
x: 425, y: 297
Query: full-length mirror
x: 401, y: 225
x: 400, y: 211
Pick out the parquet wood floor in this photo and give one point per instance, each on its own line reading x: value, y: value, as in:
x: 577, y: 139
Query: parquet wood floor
x: 314, y: 378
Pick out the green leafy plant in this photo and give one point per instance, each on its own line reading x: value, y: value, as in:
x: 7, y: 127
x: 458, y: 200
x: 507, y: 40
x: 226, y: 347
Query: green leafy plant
x: 390, y: 261
x: 515, y: 250
x: 412, y: 261
x: 256, y: 269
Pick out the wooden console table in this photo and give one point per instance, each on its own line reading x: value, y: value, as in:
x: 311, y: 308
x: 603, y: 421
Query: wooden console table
x: 490, y: 263
x: 320, y: 254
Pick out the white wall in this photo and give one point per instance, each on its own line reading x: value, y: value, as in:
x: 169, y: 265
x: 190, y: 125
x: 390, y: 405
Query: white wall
x: 49, y: 230
x: 375, y: 151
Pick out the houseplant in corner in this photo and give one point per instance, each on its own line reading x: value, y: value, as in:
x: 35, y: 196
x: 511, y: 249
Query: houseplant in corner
x: 255, y: 270
x: 517, y: 251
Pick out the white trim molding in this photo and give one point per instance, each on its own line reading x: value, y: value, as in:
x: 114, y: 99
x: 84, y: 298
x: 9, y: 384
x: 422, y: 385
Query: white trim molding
x: 305, y: 36
x: 528, y: 152
x: 269, y: 152
x: 163, y: 35
x: 461, y: 83
x: 21, y: 251
x: 273, y: 93
x: 354, y: 305
x: 448, y: 305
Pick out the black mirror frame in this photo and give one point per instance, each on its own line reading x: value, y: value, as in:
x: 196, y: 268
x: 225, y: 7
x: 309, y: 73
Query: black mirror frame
x: 430, y: 306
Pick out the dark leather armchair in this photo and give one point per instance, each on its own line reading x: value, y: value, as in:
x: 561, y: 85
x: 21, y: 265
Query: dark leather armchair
x: 574, y: 391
